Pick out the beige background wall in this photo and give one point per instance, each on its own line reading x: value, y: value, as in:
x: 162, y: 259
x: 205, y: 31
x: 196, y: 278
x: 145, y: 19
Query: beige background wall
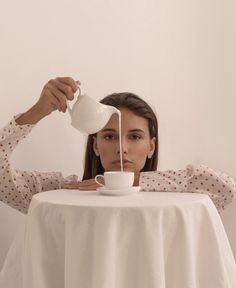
x: 178, y: 55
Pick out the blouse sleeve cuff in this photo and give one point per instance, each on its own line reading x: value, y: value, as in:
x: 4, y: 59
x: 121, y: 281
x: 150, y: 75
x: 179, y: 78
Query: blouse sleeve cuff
x: 22, y: 127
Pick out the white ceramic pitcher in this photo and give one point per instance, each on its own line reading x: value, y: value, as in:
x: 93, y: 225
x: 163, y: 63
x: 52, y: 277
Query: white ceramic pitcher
x: 88, y: 115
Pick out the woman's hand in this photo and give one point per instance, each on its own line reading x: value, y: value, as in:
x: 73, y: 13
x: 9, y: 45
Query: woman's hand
x: 55, y: 94
x: 89, y: 184
x: 53, y: 97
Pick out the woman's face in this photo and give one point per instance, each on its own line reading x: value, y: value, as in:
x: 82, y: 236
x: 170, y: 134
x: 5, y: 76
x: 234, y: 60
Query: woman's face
x: 136, y: 142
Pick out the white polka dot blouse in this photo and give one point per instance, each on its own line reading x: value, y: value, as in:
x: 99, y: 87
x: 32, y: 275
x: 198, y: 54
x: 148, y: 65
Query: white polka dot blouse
x: 17, y: 187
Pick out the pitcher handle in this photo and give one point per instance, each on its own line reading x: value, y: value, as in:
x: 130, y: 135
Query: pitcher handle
x: 68, y: 105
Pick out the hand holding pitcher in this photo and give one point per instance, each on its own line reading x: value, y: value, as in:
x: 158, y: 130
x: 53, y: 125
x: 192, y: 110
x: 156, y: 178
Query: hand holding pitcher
x: 53, y: 97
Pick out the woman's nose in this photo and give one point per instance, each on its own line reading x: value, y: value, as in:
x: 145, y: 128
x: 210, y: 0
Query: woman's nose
x: 124, y: 147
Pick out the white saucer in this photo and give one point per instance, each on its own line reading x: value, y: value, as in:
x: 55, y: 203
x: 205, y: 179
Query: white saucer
x: 118, y: 192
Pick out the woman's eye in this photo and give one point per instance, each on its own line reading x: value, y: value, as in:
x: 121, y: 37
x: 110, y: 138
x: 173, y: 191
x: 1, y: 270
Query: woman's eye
x: 135, y: 137
x: 110, y: 137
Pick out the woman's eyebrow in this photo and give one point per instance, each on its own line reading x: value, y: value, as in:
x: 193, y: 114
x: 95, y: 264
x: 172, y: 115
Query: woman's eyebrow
x: 114, y: 130
x: 108, y: 130
x: 136, y: 130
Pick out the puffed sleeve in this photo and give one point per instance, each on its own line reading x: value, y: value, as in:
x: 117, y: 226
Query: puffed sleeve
x: 196, y: 179
x: 18, y: 187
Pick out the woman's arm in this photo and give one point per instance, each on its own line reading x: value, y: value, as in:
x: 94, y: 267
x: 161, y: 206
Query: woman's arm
x: 53, y: 97
x: 17, y: 187
x: 197, y: 179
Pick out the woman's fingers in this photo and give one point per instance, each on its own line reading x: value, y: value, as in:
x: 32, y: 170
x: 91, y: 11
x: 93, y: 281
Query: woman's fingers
x: 85, y: 185
x: 68, y: 88
x: 55, y: 94
x: 69, y: 82
x: 65, y: 89
x: 53, y: 102
x: 61, y: 97
x: 70, y: 186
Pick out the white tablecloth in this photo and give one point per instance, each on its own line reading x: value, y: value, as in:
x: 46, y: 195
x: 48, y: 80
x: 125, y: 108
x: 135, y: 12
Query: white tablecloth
x: 147, y: 240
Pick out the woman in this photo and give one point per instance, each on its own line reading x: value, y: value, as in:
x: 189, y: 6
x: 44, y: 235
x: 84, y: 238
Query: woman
x: 139, y: 145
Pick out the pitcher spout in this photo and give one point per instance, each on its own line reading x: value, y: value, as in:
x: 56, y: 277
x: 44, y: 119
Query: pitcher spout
x: 113, y: 110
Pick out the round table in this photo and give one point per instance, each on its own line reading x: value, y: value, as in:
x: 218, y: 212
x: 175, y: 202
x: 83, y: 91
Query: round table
x: 78, y: 239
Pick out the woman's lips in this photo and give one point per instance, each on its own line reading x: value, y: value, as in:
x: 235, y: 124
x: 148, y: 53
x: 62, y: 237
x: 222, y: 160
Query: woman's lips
x: 118, y: 163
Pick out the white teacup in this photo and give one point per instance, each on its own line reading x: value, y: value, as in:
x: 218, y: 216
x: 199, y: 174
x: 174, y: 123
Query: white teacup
x: 115, y: 180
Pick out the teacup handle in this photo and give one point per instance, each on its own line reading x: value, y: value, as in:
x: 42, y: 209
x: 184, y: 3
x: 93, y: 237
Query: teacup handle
x: 96, y: 179
x: 67, y: 102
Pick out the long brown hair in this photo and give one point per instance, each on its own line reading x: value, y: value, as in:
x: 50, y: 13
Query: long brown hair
x: 139, y: 107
